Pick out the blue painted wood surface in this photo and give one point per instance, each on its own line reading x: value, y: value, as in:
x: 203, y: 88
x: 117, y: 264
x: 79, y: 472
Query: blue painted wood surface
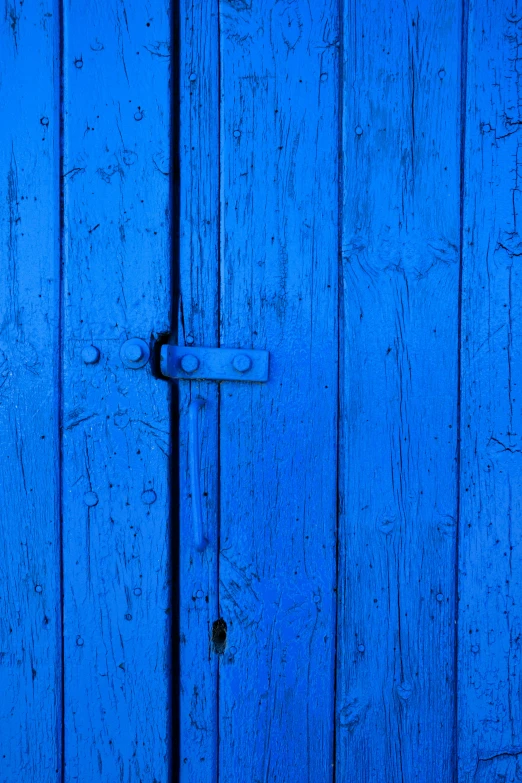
x: 490, y: 577
x: 30, y: 612
x: 198, y: 324
x: 312, y: 578
x: 278, y: 453
x: 399, y: 391
x: 116, y: 438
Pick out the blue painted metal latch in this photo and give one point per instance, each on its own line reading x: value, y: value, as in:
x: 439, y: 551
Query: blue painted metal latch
x: 213, y: 364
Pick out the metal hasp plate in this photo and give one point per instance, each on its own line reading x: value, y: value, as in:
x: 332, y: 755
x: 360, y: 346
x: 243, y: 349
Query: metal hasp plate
x: 213, y: 364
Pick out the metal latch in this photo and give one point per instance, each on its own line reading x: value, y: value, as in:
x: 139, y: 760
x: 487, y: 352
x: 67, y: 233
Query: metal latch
x: 213, y: 364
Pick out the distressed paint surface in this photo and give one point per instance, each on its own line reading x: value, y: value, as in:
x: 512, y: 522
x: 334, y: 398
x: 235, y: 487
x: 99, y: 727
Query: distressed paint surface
x: 400, y: 272
x: 371, y: 208
x: 490, y: 579
x: 279, y: 114
x: 198, y: 324
x: 116, y: 437
x: 30, y: 632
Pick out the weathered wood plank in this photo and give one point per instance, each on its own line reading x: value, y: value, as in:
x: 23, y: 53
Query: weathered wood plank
x: 116, y: 420
x: 279, y: 150
x: 198, y: 325
x: 30, y: 614
x: 490, y: 580
x: 400, y: 266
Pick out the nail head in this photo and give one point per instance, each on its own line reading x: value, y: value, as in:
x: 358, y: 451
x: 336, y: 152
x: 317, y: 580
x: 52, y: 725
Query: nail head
x: 148, y: 497
x: 90, y: 499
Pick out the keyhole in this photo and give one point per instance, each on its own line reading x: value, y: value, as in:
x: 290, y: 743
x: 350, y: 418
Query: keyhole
x: 219, y: 636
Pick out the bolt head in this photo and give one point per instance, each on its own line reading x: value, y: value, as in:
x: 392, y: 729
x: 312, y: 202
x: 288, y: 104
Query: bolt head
x: 242, y: 362
x: 189, y: 363
x: 133, y: 352
x: 90, y: 354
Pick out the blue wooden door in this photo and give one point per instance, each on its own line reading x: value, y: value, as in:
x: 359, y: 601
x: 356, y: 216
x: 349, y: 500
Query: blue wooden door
x: 214, y: 568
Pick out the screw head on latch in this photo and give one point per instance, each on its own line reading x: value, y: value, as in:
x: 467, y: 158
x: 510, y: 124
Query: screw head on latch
x: 189, y: 363
x: 135, y: 353
x: 242, y: 362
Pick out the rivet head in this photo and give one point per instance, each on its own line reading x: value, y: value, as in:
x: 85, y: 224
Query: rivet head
x: 137, y: 591
x: 148, y: 497
x: 128, y: 617
x: 475, y: 648
x: 361, y: 648
x: 79, y: 641
x: 135, y: 353
x: 439, y: 597
x: 90, y: 354
x: 189, y: 363
x: 90, y: 499
x: 242, y: 362
x: 358, y: 130
x: 199, y: 594
x: 38, y: 588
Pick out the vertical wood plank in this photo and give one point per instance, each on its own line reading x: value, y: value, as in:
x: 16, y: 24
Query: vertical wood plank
x: 400, y: 266
x: 198, y: 325
x: 279, y: 149
x: 30, y: 614
x: 116, y: 420
x: 490, y: 715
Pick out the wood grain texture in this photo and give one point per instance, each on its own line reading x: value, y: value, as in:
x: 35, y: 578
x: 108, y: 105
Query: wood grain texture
x: 30, y: 630
x: 199, y: 325
x: 424, y: 203
x: 400, y: 267
x: 116, y: 420
x: 279, y: 174
x: 490, y: 580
